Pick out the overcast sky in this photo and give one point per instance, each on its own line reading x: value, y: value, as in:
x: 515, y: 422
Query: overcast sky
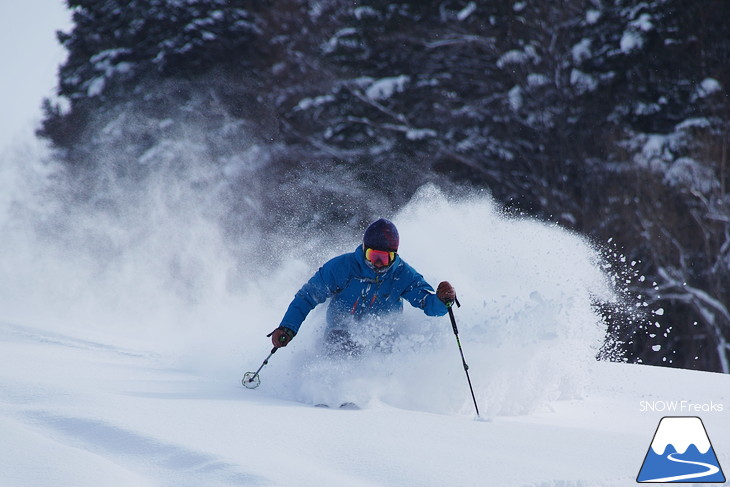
x: 29, y: 56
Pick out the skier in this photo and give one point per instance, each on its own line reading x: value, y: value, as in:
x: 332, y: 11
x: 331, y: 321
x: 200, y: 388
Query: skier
x: 370, y: 282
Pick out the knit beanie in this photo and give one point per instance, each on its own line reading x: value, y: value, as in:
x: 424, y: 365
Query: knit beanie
x: 381, y: 235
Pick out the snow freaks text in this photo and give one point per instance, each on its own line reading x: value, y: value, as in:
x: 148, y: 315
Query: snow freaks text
x: 680, y: 407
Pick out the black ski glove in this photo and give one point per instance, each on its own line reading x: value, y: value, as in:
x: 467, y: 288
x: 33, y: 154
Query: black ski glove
x: 281, y: 336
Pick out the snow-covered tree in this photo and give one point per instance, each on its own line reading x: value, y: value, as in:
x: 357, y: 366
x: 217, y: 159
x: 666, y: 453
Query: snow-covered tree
x: 611, y: 118
x: 656, y: 70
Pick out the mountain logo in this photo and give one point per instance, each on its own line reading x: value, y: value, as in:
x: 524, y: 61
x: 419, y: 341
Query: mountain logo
x: 681, y: 452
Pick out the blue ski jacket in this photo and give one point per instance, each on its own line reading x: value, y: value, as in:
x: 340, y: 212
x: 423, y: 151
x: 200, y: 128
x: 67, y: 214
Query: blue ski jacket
x: 358, y: 291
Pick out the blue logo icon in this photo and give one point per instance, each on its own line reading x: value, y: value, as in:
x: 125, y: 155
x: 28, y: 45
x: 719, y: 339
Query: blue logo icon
x: 681, y: 452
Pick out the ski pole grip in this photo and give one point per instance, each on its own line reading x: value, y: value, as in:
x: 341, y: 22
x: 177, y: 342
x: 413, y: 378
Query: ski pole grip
x: 453, y: 321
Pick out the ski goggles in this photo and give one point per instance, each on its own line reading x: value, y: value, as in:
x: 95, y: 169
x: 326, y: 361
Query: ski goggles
x: 379, y: 258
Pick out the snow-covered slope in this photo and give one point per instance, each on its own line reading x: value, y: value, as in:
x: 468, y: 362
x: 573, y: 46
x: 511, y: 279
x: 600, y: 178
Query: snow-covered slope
x: 124, y: 336
x: 78, y: 412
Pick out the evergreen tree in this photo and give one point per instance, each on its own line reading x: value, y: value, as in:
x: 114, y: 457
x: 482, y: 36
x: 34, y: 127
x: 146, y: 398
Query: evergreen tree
x: 610, y: 118
x: 115, y: 44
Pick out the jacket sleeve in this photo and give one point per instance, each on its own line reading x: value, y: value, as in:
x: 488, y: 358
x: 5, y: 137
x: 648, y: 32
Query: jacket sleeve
x: 331, y: 278
x: 421, y: 295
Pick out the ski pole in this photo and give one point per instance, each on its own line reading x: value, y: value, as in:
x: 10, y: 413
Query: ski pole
x: 251, y: 379
x: 463, y: 360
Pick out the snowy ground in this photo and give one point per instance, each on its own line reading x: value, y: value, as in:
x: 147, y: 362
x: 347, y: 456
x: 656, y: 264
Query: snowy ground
x: 76, y: 412
x: 124, y: 337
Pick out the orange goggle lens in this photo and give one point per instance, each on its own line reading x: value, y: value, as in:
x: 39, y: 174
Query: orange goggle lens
x: 379, y: 258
